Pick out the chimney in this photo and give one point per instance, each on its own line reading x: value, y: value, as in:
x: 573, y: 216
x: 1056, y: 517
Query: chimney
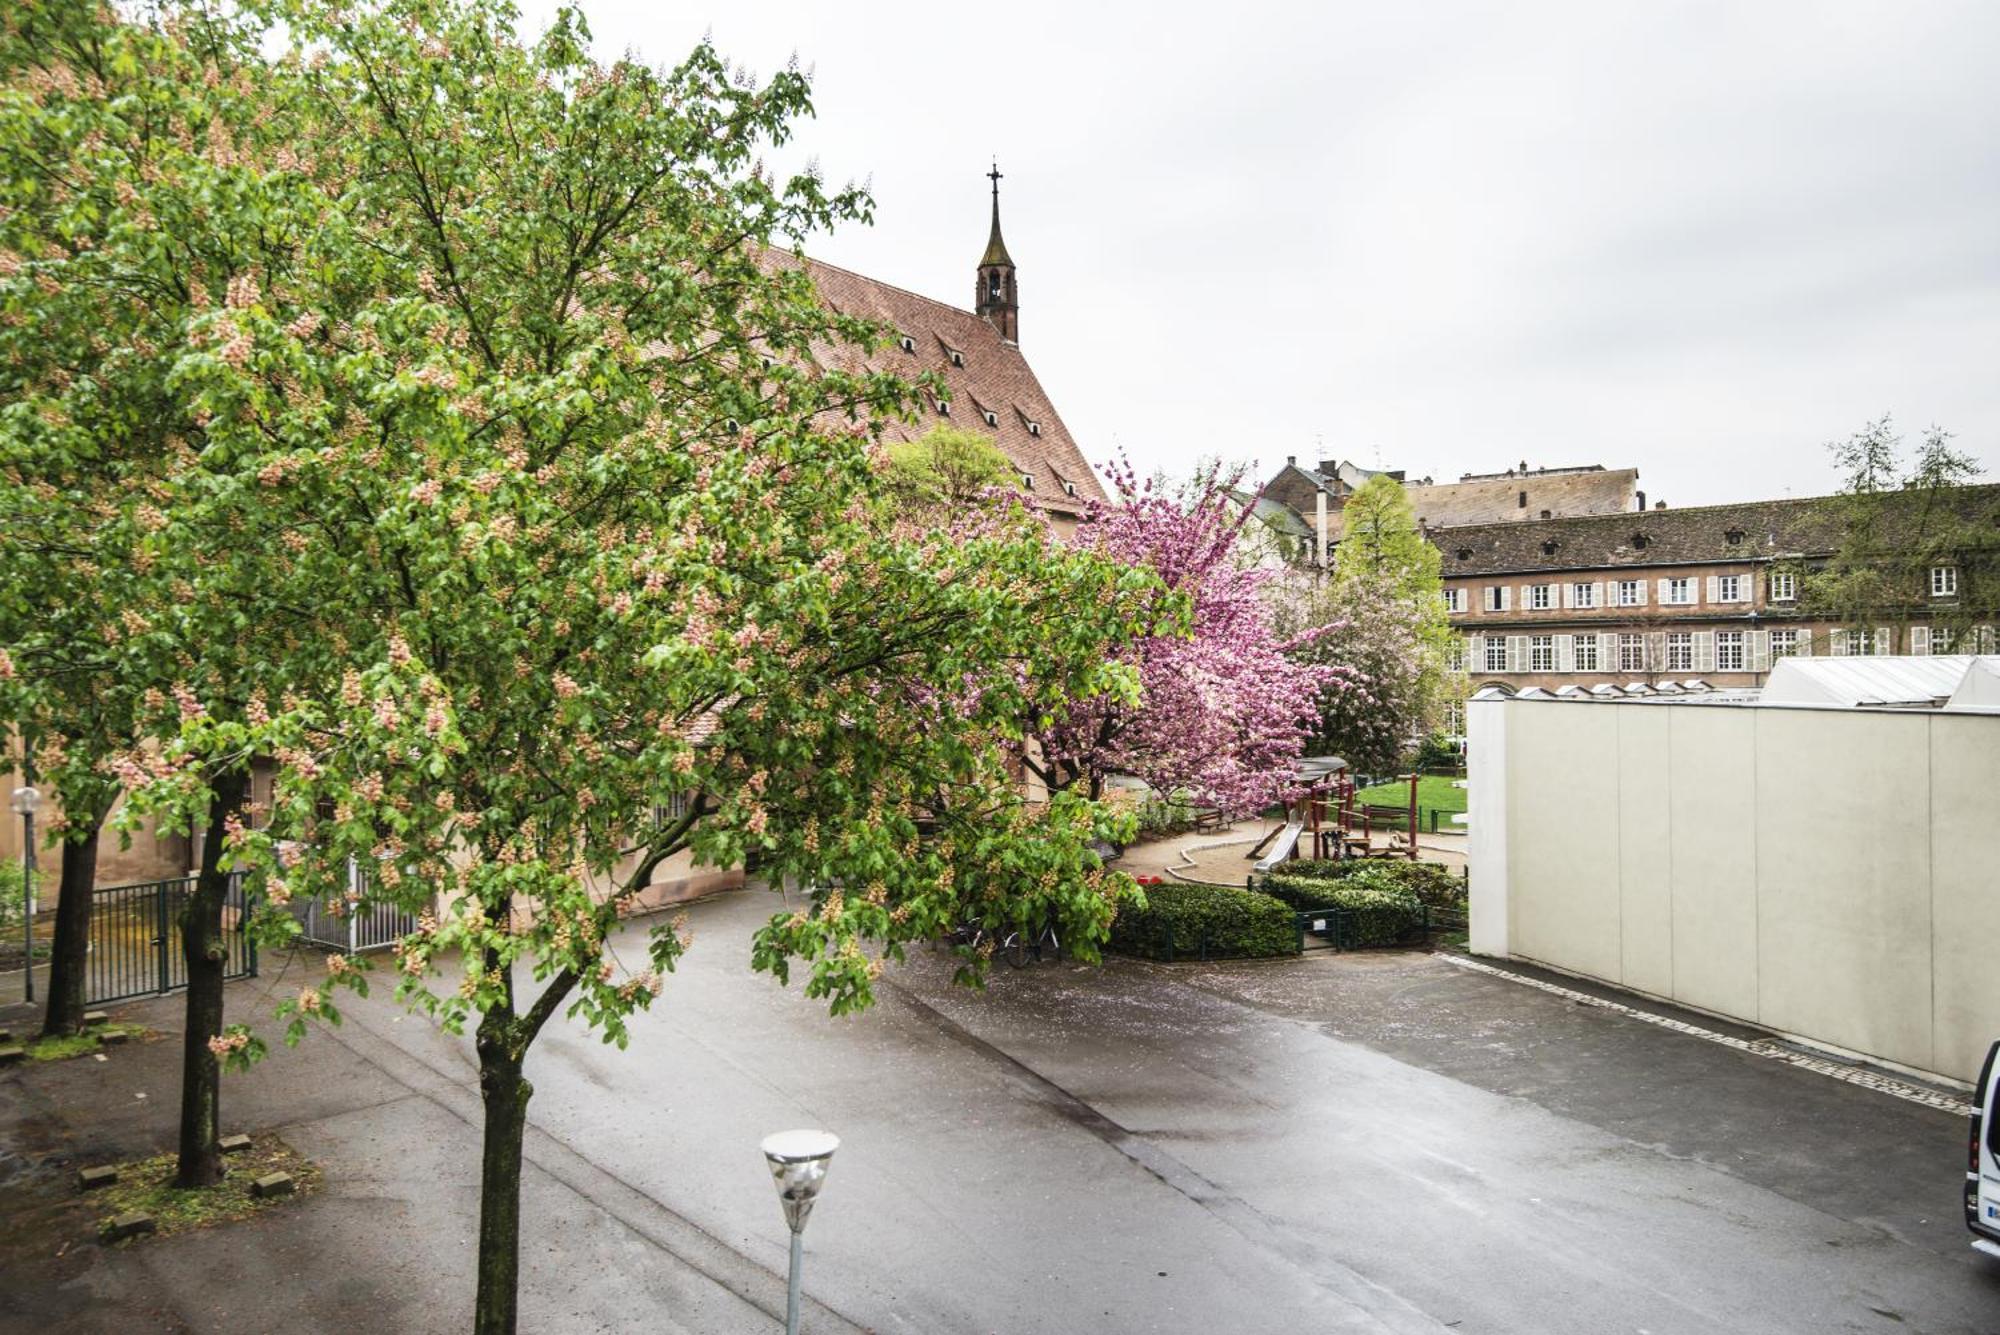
x: 1642, y: 500
x: 1319, y: 527
x: 1659, y: 505
x: 1291, y: 461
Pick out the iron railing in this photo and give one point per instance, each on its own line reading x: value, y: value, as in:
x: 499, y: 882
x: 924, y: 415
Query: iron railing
x: 135, y: 939
x: 356, y: 933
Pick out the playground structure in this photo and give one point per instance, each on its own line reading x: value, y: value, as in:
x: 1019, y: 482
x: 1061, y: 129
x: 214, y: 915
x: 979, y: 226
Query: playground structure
x: 1328, y: 817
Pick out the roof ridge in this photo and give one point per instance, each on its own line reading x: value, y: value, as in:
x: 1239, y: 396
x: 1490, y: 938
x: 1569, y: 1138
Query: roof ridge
x: 867, y: 278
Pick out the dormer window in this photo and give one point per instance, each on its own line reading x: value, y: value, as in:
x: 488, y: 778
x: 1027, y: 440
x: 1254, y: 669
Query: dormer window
x: 944, y: 407
x: 1639, y: 540
x: 1034, y: 428
x: 957, y: 357
x: 731, y: 424
x: 1551, y: 547
x: 1465, y: 553
x: 1069, y: 488
x: 906, y: 343
x: 1027, y: 481
x: 1733, y: 537
x: 992, y: 418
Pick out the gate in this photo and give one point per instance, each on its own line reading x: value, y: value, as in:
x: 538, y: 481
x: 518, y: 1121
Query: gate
x: 135, y: 939
x: 355, y: 933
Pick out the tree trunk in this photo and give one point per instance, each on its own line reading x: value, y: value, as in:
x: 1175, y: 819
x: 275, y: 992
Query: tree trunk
x: 69, y: 956
x: 207, y: 955
x: 506, y: 1094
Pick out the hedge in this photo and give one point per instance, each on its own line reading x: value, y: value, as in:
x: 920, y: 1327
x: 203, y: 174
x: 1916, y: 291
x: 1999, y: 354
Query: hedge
x: 1434, y: 886
x: 1197, y: 921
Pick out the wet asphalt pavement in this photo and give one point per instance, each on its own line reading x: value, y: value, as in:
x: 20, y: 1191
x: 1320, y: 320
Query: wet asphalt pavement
x: 1356, y: 1143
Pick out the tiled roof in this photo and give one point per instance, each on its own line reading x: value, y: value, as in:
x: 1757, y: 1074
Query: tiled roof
x: 1762, y: 529
x: 995, y: 390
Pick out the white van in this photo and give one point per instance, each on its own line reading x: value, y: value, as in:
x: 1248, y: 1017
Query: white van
x: 1982, y: 1160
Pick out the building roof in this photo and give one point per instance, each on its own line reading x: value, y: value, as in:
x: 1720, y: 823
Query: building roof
x: 992, y: 388
x: 1926, y: 682
x: 1753, y: 530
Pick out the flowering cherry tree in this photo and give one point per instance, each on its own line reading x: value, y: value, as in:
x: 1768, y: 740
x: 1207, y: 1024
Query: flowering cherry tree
x: 1224, y: 709
x: 504, y: 504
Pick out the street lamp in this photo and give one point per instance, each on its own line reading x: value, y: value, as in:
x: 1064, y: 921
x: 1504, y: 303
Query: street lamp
x: 27, y: 801
x: 798, y: 1161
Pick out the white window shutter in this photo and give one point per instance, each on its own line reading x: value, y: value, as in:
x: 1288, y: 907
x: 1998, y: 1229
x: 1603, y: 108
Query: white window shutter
x: 1506, y: 597
x: 1804, y: 646
x: 1527, y: 596
x: 1760, y: 651
x: 1884, y: 640
x: 1837, y: 642
x: 1565, y: 653
x: 1568, y: 594
x: 1607, y: 653
x: 1517, y: 653
x: 1663, y: 592
x: 1920, y: 640
x: 1704, y: 651
x: 1642, y: 592
x: 1715, y: 588
x: 1597, y: 595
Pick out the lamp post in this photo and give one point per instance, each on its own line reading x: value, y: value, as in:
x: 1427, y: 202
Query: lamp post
x: 27, y: 801
x: 798, y: 1161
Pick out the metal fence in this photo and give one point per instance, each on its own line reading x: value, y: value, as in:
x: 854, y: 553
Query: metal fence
x: 135, y: 939
x: 376, y: 928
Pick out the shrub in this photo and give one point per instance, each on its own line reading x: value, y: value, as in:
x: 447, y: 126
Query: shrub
x: 1188, y: 920
x: 1374, y: 913
x: 1434, y: 886
x: 12, y: 901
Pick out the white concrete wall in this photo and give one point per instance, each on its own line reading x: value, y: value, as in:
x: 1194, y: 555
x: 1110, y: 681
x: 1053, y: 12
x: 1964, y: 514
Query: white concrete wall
x: 1828, y: 873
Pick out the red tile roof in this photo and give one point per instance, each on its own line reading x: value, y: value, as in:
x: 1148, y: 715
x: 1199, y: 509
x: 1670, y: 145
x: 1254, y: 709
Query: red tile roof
x: 994, y: 392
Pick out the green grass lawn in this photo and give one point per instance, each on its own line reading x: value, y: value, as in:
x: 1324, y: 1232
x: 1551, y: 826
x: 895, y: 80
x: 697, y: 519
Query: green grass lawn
x: 1434, y: 793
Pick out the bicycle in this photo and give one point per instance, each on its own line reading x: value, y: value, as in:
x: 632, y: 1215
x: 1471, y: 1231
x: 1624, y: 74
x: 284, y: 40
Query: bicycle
x: 1019, y: 946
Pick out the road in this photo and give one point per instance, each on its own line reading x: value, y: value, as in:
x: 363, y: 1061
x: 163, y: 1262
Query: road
x: 1358, y: 1143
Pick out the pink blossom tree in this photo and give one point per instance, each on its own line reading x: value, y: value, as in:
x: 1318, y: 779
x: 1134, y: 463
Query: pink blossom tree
x: 1225, y: 708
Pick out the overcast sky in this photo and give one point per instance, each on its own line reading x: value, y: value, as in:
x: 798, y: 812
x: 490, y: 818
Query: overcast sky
x: 1697, y: 239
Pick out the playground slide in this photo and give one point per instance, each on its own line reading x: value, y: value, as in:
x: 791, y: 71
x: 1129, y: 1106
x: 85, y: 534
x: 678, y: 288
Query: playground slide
x: 1281, y: 850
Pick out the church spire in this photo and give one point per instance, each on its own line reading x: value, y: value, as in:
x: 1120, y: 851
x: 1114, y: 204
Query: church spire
x: 995, y: 296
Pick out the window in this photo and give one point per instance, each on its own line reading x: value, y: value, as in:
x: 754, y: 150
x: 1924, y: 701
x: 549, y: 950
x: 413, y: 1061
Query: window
x: 992, y: 418
x: 1583, y: 595
x: 1456, y: 656
x: 1631, y: 593
x: 1729, y: 588
x: 1541, y: 653
x: 1680, y: 651
x: 1454, y: 600
x: 1944, y: 581
x: 1860, y: 643
x: 672, y: 810
x: 957, y: 357
x: 1680, y: 592
x: 1942, y: 638
x: 1541, y: 597
x: 1523, y: 502
x: 1585, y: 652
x: 1034, y: 428
x: 1496, y: 653
x: 1729, y: 656
x: 906, y: 343
x: 1784, y: 586
x: 1454, y: 719
x: 1495, y: 598
x: 1027, y: 481
x: 1631, y: 653
x: 1784, y: 644
x: 944, y: 407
